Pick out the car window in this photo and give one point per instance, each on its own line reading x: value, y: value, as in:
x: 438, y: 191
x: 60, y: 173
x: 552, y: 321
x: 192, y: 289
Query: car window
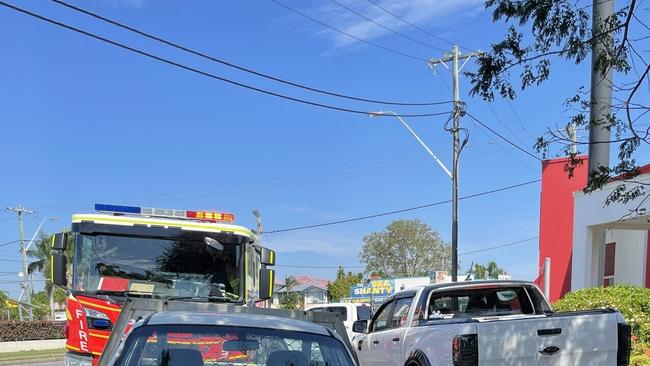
x: 364, y: 312
x: 401, y: 311
x: 333, y: 309
x: 192, y: 345
x: 479, y: 302
x: 381, y: 319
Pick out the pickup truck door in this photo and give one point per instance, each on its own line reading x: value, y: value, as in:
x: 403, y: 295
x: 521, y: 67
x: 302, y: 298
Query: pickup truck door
x: 555, y: 339
x: 392, y: 339
x: 370, y: 349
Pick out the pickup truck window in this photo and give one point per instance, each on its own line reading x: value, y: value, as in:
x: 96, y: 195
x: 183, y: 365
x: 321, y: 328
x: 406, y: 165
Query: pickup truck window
x: 333, y: 309
x: 190, y: 345
x: 381, y: 319
x: 479, y: 302
x: 401, y: 311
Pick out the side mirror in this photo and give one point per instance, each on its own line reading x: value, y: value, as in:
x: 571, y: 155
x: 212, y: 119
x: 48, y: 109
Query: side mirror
x: 267, y: 278
x: 59, y: 267
x: 268, y: 257
x: 360, y: 326
x: 60, y: 241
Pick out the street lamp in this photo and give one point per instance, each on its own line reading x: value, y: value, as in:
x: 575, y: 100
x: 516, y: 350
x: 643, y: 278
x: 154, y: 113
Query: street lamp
x: 454, y: 201
x: 393, y: 114
x: 26, y: 294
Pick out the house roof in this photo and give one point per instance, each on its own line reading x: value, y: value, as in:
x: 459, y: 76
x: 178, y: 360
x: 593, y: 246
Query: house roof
x: 301, y: 288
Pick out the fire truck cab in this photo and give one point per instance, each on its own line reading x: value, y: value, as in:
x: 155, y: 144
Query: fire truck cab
x: 126, y: 251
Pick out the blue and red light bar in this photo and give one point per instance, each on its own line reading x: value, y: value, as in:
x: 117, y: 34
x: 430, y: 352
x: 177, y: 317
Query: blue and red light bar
x: 209, y: 216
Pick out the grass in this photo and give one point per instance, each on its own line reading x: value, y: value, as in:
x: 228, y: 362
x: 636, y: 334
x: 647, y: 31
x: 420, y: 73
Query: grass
x: 30, y: 355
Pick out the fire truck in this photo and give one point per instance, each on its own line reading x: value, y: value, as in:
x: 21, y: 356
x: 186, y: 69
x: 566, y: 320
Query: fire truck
x: 127, y: 252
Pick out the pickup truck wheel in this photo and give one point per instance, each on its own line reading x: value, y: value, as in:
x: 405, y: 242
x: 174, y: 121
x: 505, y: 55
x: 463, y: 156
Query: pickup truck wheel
x: 417, y: 358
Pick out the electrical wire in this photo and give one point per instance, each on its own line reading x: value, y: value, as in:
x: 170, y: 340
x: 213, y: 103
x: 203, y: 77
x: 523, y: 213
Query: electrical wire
x: 232, y: 65
x: 460, y: 254
x: 348, y: 34
x: 200, y: 72
x: 412, y: 24
x: 387, y: 28
x: 9, y: 242
x: 400, y: 210
x: 504, y: 138
x: 500, y: 246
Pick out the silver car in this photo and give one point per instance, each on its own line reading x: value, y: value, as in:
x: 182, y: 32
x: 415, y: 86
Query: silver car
x: 177, y: 338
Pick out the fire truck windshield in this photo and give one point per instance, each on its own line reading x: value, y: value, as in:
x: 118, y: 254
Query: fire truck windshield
x: 159, y: 267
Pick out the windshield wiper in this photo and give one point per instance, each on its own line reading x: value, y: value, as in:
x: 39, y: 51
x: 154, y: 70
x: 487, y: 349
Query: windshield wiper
x: 204, y: 298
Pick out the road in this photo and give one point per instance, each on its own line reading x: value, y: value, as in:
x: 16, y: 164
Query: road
x: 48, y: 363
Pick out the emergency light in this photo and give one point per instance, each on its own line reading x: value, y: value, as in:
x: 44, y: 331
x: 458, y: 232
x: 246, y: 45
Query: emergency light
x: 209, y: 216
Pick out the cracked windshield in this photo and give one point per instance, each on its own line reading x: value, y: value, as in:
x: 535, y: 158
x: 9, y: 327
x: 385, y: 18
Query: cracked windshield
x: 153, y: 266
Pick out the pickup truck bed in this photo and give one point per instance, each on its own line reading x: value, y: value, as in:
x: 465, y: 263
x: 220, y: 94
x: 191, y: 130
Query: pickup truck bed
x: 488, y: 324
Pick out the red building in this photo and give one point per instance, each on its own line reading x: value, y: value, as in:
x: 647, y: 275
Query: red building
x: 589, y: 243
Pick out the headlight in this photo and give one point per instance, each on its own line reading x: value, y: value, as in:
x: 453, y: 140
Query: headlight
x: 77, y: 360
x: 92, y: 313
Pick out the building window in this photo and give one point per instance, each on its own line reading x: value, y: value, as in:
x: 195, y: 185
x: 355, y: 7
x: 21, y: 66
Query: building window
x: 610, y: 264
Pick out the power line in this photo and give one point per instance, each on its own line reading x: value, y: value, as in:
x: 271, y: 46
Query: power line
x: 412, y: 24
x: 387, y: 28
x: 348, y: 34
x: 9, y: 242
x: 500, y: 246
x: 504, y: 138
x: 232, y: 65
x: 466, y: 253
x: 197, y: 71
x: 319, y: 267
x: 401, y: 210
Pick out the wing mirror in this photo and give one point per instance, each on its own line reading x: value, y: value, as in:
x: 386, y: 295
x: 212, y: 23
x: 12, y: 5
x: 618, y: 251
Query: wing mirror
x: 267, y: 278
x: 360, y: 326
x: 268, y: 257
x: 59, y: 263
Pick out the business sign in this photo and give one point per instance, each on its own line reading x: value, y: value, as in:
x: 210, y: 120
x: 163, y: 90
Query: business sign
x: 374, y: 291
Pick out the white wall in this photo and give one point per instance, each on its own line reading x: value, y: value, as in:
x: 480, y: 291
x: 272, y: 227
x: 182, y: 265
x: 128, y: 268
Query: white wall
x: 590, y: 216
x: 630, y: 255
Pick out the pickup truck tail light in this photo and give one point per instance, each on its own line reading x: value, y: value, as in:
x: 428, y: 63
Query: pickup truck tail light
x: 624, y: 345
x: 464, y: 350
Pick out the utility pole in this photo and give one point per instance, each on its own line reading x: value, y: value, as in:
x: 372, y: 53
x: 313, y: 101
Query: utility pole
x: 601, y: 88
x: 454, y: 57
x: 25, y: 300
x: 600, y: 105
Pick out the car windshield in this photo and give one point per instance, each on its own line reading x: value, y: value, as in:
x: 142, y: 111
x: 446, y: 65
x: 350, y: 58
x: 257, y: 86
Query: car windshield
x: 364, y: 312
x: 199, y: 345
x: 195, y: 267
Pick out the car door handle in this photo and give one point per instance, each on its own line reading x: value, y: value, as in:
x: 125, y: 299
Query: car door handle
x: 550, y: 350
x: 396, y: 339
x: 375, y: 342
x: 359, y: 346
x: 549, y: 332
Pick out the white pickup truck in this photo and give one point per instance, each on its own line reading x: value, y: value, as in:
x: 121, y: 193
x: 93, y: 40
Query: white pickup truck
x: 487, y: 323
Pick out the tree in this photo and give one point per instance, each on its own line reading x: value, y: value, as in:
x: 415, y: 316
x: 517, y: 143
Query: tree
x: 489, y: 271
x: 42, y: 252
x: 561, y: 29
x: 291, y: 300
x: 405, y: 248
x: 340, y: 288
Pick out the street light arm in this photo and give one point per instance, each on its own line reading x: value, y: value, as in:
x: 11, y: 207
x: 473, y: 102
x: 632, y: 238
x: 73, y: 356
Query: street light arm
x: 38, y: 229
x: 442, y: 165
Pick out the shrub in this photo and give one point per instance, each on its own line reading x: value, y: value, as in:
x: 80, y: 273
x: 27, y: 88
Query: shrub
x: 633, y: 302
x: 30, y: 330
x: 641, y: 360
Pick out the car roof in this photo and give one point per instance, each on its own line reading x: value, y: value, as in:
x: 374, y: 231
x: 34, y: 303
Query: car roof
x: 235, y: 320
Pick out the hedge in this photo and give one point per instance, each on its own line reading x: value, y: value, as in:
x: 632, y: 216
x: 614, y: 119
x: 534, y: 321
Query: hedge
x: 633, y: 302
x: 30, y: 330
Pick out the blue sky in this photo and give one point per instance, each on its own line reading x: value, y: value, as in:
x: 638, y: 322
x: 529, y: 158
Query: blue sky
x: 85, y: 122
